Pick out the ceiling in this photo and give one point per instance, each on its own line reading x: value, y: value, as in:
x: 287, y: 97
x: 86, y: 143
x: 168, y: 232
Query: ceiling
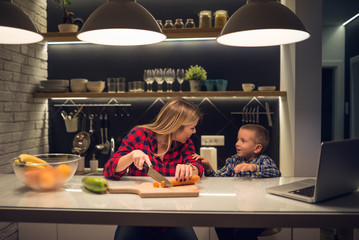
x: 336, y: 12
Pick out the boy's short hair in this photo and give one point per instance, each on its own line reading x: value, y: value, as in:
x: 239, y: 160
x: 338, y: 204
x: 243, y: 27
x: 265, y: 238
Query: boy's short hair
x: 261, y: 134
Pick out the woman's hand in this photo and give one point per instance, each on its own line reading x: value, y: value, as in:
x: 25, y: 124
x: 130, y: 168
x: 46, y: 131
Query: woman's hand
x: 185, y: 171
x: 139, y: 157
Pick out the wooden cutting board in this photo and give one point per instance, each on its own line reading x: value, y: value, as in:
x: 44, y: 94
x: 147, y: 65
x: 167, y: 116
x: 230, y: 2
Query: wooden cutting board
x: 147, y: 190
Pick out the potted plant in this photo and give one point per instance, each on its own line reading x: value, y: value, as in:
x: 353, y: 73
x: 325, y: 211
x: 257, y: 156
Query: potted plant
x: 67, y: 24
x: 195, y: 74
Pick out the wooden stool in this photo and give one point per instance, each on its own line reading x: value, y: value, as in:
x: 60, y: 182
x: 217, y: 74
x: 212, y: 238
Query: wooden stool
x: 270, y: 231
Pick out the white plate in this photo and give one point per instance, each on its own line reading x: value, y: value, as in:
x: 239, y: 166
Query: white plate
x: 266, y: 88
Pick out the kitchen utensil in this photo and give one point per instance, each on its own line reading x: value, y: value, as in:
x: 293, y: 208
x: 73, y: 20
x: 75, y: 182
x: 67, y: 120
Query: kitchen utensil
x: 156, y: 175
x: 106, y: 148
x: 64, y: 114
x: 112, y: 146
x: 268, y: 114
x: 102, y: 145
x: 78, y: 111
x: 257, y: 114
x: 147, y: 190
x: 82, y: 139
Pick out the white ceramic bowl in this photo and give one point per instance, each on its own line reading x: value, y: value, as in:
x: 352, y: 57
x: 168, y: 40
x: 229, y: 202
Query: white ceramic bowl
x: 266, y: 88
x: 95, y: 86
x: 55, y: 83
x: 78, y: 84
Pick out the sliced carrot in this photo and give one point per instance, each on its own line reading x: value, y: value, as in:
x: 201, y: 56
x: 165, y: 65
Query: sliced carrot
x: 156, y: 184
x: 163, y: 184
x: 193, y: 180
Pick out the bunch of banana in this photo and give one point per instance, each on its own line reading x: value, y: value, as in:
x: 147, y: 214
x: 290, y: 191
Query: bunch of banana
x: 30, y: 162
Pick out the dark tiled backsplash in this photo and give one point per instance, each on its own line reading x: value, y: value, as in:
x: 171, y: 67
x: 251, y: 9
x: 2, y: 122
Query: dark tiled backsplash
x: 221, y: 116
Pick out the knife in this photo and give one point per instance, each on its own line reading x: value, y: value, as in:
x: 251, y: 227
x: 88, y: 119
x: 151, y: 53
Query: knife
x: 156, y: 175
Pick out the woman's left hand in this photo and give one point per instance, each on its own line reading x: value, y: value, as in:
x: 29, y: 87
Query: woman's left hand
x: 183, y: 172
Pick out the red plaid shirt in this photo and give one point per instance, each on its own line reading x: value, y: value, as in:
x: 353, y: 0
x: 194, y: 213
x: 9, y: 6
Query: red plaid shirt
x: 145, y: 140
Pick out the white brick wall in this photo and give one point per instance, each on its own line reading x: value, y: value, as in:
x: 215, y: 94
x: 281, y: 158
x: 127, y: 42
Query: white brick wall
x: 23, y: 119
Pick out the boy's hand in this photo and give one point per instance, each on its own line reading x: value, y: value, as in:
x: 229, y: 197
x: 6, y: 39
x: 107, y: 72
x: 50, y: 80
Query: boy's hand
x: 243, y: 167
x: 207, y: 166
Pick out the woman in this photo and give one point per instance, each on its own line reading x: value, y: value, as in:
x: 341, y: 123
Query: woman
x: 165, y: 145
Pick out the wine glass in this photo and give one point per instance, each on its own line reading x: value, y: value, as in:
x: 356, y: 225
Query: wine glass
x: 180, y: 77
x: 148, y: 77
x: 169, y: 76
x: 158, y: 74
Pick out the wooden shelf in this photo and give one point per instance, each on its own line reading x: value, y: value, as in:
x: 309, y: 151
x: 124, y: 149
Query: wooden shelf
x: 162, y: 94
x: 170, y: 33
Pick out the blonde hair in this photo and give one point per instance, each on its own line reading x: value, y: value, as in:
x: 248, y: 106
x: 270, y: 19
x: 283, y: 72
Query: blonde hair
x: 174, y: 116
x: 261, y: 134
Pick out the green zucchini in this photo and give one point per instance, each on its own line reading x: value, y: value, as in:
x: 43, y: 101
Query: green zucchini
x: 95, y: 184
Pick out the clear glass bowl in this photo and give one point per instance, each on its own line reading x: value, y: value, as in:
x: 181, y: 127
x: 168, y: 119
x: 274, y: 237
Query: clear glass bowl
x: 58, y: 170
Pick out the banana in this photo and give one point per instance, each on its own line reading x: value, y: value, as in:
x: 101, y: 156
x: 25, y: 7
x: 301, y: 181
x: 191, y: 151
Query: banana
x: 30, y: 158
x: 31, y: 165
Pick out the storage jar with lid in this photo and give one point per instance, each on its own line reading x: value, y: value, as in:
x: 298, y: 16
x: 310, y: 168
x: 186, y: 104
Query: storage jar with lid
x: 160, y: 23
x: 168, y: 24
x: 190, y: 23
x: 220, y: 18
x: 179, y: 23
x: 205, y: 19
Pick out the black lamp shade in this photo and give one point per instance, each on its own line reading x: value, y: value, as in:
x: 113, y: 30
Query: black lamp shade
x: 15, y: 26
x: 262, y: 23
x: 121, y: 22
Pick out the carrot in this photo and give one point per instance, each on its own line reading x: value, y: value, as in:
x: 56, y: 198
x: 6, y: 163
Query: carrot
x: 193, y: 180
x: 163, y: 184
x: 156, y: 184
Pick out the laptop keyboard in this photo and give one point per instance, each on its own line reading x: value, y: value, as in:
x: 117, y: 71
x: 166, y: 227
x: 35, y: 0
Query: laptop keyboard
x: 307, y: 191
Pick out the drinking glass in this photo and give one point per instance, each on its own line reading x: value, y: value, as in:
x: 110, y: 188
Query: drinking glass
x: 149, y: 78
x: 169, y: 76
x: 180, y: 77
x: 158, y: 74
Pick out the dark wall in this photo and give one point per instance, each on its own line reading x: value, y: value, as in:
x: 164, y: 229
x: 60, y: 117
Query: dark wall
x: 238, y: 65
x: 220, y: 117
x: 351, y: 50
x: 160, y: 9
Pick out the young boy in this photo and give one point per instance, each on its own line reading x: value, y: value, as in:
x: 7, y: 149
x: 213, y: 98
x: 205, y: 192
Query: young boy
x: 249, y: 161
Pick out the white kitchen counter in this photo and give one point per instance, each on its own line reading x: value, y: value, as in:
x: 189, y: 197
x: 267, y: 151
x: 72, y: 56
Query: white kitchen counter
x: 231, y: 202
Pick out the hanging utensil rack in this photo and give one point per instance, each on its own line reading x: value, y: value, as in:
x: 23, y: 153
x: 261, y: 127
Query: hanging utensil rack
x: 111, y: 103
x: 251, y: 114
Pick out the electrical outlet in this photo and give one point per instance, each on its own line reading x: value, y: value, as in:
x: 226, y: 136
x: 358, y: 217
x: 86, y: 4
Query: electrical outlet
x: 212, y: 140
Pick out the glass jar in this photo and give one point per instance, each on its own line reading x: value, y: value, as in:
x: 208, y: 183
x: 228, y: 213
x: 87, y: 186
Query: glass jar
x: 168, y: 24
x: 205, y: 19
x: 160, y: 23
x: 220, y: 18
x: 190, y: 23
x: 179, y: 23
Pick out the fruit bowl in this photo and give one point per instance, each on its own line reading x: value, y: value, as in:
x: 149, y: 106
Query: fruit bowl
x: 45, y: 172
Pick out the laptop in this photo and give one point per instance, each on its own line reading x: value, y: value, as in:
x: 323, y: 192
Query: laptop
x: 337, y: 174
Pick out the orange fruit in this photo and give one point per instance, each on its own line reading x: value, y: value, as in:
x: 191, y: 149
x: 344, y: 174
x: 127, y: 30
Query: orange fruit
x: 63, y: 170
x: 47, y: 179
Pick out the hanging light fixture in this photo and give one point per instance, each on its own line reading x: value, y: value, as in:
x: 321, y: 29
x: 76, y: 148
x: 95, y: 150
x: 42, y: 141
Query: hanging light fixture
x: 262, y: 23
x: 121, y: 23
x: 15, y: 26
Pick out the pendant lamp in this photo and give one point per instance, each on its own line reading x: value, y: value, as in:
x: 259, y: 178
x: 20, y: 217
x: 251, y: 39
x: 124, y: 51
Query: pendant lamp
x: 15, y: 26
x: 262, y: 23
x: 121, y: 23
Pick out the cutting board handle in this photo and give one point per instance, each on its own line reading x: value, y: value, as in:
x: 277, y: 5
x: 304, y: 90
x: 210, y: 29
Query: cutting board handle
x: 132, y: 189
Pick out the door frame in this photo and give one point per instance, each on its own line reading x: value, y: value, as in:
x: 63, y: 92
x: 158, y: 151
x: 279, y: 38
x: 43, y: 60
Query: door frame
x: 339, y: 97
